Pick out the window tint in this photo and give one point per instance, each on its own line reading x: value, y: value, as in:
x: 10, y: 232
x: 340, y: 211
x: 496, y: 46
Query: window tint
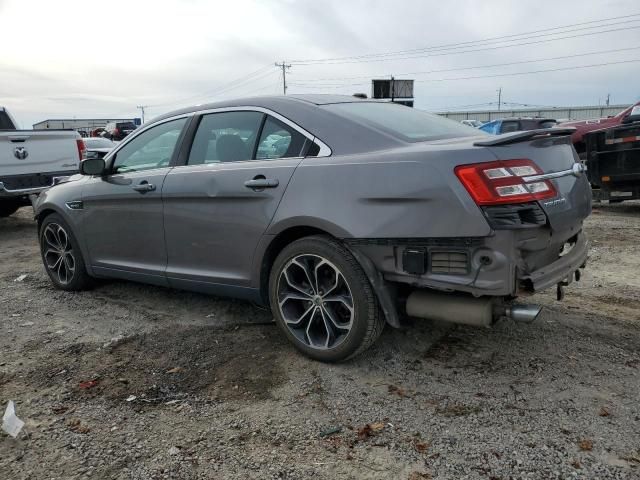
x: 5, y: 122
x: 151, y: 149
x: 314, y: 150
x: 279, y: 141
x: 510, y: 126
x: 225, y: 137
x: 407, y: 123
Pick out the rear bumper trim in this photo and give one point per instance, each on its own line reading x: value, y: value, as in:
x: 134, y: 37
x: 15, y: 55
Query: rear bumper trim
x: 562, y: 268
x: 5, y: 192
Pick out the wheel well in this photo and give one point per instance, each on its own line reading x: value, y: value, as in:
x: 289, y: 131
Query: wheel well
x: 42, y: 215
x: 281, y: 240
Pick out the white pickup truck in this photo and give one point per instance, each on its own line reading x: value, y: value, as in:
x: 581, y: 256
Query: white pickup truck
x: 33, y: 160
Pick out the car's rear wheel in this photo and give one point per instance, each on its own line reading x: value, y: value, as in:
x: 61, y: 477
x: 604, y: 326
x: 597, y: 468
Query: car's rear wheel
x: 323, y: 301
x: 61, y: 255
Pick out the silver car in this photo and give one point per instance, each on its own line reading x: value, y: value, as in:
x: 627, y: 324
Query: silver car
x: 341, y: 214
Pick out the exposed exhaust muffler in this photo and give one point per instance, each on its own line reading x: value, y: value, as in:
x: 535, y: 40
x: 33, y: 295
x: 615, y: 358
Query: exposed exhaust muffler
x: 465, y: 309
x: 454, y: 308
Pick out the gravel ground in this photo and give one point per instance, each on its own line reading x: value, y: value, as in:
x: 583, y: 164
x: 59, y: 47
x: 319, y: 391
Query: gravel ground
x: 135, y: 382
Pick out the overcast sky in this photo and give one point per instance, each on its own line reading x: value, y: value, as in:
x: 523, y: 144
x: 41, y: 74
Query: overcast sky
x: 65, y: 59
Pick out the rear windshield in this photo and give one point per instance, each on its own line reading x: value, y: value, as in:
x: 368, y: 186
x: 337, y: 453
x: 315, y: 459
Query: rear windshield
x: 405, y: 122
x: 128, y: 126
x: 5, y: 121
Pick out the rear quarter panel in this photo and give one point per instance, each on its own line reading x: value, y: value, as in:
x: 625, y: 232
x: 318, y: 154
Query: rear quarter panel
x: 403, y: 193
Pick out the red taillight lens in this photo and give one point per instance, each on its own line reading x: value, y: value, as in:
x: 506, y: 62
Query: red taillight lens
x: 503, y: 181
x: 82, y: 149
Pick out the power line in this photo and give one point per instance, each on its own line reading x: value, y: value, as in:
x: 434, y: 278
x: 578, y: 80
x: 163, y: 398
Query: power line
x: 497, y: 47
x: 489, y: 39
x: 500, y: 74
x: 221, y: 88
x: 531, y: 72
x: 616, y: 50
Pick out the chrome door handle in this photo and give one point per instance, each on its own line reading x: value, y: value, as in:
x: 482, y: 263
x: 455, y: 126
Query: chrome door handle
x: 259, y: 183
x: 144, y: 187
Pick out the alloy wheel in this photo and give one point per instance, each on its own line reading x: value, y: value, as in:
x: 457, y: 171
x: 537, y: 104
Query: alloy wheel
x: 58, y: 254
x: 315, y: 301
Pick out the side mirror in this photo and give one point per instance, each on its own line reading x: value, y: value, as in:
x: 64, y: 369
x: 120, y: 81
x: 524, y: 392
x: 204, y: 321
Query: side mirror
x: 92, y: 166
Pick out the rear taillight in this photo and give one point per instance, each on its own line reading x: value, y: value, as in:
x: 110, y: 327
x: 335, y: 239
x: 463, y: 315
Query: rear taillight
x: 82, y: 149
x: 504, y: 181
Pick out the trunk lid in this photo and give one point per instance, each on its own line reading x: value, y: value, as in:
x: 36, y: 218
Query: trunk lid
x: 553, y: 153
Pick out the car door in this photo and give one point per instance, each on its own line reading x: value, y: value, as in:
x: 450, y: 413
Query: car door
x: 219, y: 204
x: 122, y: 218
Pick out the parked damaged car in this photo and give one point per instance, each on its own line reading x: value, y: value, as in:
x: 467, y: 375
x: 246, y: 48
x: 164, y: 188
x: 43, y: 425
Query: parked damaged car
x: 340, y: 214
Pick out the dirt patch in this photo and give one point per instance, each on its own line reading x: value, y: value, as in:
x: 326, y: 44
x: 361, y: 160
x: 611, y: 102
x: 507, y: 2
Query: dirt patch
x: 216, y: 392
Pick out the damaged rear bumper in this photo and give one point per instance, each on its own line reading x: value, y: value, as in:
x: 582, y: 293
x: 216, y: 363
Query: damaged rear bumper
x: 562, y: 270
x: 506, y: 264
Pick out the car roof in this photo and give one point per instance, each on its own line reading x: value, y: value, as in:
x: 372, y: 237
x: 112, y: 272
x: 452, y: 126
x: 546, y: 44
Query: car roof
x: 539, y: 119
x: 270, y: 102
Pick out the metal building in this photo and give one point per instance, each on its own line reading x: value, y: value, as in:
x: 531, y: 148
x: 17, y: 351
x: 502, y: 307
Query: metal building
x: 558, y: 113
x: 80, y: 124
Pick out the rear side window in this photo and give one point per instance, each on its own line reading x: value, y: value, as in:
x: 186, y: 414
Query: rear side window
x: 225, y: 137
x: 404, y: 122
x: 547, y: 124
x: 279, y: 141
x: 510, y: 126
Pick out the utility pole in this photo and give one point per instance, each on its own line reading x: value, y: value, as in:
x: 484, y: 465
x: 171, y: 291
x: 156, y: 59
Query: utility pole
x: 142, y: 107
x: 499, y: 98
x: 284, y: 68
x: 608, y: 96
x: 393, y: 89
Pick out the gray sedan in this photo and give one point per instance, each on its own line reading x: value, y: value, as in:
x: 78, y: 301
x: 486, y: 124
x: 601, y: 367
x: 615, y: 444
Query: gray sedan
x: 340, y: 214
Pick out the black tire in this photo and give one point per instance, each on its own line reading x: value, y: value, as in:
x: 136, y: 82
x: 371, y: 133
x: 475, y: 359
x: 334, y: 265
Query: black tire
x: 8, y: 207
x: 366, y: 323
x: 52, y: 232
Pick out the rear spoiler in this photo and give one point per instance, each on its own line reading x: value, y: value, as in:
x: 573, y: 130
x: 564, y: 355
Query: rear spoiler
x: 517, y: 137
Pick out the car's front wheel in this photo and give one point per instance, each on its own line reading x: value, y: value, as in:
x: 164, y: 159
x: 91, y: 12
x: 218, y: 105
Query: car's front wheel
x: 323, y: 301
x: 61, y: 255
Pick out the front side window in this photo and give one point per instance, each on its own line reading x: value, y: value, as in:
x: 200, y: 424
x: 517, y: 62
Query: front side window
x: 279, y: 140
x: 151, y: 149
x: 225, y: 137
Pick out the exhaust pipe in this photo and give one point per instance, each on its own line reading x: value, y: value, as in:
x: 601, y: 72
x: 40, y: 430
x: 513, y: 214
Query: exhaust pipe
x: 465, y: 309
x: 523, y: 313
